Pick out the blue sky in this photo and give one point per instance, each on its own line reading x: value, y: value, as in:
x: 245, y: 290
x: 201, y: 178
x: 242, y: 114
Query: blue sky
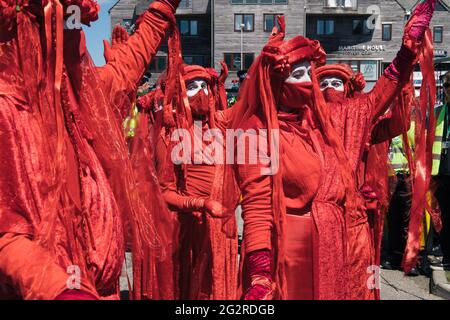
x: 98, y: 31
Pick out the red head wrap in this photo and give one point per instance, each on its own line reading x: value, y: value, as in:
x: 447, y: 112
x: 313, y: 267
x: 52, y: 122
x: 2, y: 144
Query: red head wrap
x: 353, y: 82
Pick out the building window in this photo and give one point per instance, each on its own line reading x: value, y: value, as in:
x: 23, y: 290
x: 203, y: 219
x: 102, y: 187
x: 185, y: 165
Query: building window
x: 270, y: 21
x: 158, y: 64
x: 369, y: 68
x: 188, y: 27
x: 438, y: 34
x: 325, y: 27
x: 197, y: 60
x: 244, y: 21
x: 360, y: 27
x: 233, y: 60
x: 340, y: 3
x: 259, y: 1
x: 386, y: 30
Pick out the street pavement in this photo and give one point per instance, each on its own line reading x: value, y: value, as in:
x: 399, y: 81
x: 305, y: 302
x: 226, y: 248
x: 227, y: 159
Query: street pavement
x: 394, y: 285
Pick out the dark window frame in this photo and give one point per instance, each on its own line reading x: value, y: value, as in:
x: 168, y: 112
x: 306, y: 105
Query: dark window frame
x: 275, y: 15
x: 243, y: 19
x: 258, y: 2
x: 155, y: 63
x: 442, y: 34
x: 383, y: 25
x: 232, y: 59
x: 365, y: 31
x: 324, y: 21
x: 193, y: 56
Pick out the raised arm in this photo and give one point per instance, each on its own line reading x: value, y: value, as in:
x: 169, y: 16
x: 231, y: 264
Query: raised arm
x: 122, y: 73
x: 397, y: 122
x: 399, y: 71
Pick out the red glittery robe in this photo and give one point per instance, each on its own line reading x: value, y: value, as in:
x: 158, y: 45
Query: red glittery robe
x: 205, y: 256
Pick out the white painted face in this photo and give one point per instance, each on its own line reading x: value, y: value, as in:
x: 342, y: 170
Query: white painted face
x: 194, y: 86
x: 332, y: 82
x: 301, y: 72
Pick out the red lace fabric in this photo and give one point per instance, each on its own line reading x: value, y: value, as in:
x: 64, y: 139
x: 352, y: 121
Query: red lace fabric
x: 69, y: 183
x: 373, y: 178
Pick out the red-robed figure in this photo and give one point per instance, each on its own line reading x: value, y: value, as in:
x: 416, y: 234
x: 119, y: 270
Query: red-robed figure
x: 338, y: 84
x: 204, y: 258
x: 67, y: 183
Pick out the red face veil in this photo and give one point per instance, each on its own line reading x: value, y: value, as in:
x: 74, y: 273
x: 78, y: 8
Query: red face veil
x: 200, y: 103
x: 354, y: 83
x: 332, y: 95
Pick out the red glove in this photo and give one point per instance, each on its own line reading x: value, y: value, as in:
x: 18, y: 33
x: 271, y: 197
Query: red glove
x: 424, y: 12
x: 370, y: 197
x: 213, y: 208
x: 173, y: 4
x: 262, y: 286
x: 401, y: 66
x: 75, y: 295
x: 200, y: 205
x: 224, y: 72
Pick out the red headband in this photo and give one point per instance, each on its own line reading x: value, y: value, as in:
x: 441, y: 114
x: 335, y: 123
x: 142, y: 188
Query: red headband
x: 191, y: 72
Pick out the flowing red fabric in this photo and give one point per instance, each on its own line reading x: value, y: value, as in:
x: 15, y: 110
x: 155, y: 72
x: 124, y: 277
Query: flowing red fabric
x: 204, y: 254
x: 66, y: 204
x: 218, y: 86
x: 423, y: 152
x: 259, y: 97
x: 376, y: 169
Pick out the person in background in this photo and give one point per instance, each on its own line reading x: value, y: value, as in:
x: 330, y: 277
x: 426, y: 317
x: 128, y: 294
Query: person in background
x: 441, y: 169
x: 399, y: 208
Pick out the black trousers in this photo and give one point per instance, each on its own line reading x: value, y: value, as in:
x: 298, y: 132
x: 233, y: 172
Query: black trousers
x: 442, y: 195
x: 398, y: 221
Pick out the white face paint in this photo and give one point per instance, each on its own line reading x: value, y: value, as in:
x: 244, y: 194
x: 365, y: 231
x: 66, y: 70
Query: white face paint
x: 301, y: 72
x: 194, y: 86
x: 332, y: 82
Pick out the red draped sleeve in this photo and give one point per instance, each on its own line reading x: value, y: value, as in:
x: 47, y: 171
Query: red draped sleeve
x: 121, y: 75
x: 382, y: 96
x: 167, y: 178
x: 256, y: 190
x: 256, y: 207
x: 43, y: 279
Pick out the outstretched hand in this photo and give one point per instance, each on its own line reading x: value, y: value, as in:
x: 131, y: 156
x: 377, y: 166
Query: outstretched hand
x: 224, y: 72
x: 119, y: 38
